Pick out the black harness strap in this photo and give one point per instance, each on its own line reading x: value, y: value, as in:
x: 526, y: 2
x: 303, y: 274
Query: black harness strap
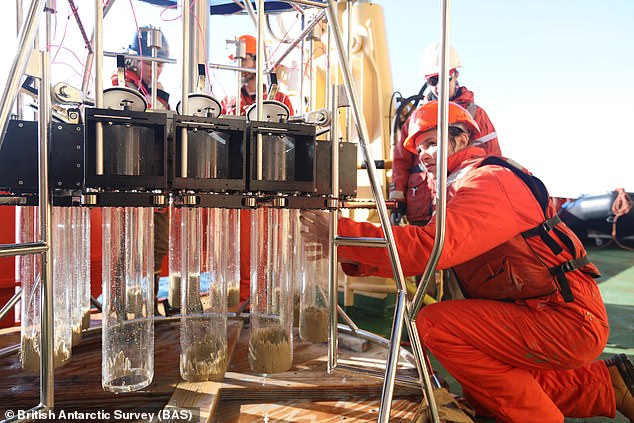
x: 542, y: 230
x: 560, y: 273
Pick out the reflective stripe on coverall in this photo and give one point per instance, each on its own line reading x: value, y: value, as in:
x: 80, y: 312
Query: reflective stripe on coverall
x: 522, y: 360
x: 416, y: 189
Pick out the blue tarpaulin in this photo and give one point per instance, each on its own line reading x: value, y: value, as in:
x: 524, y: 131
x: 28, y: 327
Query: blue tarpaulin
x: 229, y: 8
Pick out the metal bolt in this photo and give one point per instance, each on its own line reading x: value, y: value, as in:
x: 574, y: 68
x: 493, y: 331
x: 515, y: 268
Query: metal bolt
x: 59, y: 184
x: 20, y: 125
x: 59, y: 127
x: 78, y: 147
x: 78, y: 165
x: 78, y: 129
x: 20, y: 182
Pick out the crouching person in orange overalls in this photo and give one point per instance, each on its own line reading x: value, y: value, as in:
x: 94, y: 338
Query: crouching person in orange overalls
x: 524, y: 342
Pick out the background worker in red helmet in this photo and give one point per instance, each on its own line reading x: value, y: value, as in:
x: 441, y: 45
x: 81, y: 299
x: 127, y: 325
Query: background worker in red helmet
x: 249, y: 88
x: 411, y: 185
x: 247, y: 98
x: 524, y: 344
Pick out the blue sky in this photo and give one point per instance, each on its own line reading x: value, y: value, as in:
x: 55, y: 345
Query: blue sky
x: 555, y: 77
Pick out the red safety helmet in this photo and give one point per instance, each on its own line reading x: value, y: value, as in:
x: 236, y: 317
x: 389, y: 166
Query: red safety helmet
x: 426, y: 117
x: 250, y: 43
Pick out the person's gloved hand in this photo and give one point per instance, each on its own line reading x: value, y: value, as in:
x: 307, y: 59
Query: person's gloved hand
x: 397, y: 214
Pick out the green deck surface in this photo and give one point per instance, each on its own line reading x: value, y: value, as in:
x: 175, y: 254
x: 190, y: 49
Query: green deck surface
x: 617, y: 289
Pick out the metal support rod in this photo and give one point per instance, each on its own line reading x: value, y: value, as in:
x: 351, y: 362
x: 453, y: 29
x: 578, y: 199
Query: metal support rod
x: 421, y: 366
x: 20, y: 61
x: 98, y: 53
x: 82, y: 31
x: 154, y: 78
x: 441, y: 161
x: 11, y: 303
x: 198, y: 35
x: 333, y: 264
x: 259, y: 90
x: 95, y: 303
x: 47, y: 384
x: 349, y: 53
x: 360, y: 242
x: 364, y: 140
x: 257, y: 23
x: 392, y: 362
x: 232, y: 68
x: 249, y: 7
x: 85, y: 81
x: 302, y: 56
x: 347, y: 319
x: 19, y: 101
x: 239, y: 87
x: 9, y: 250
x: 186, y: 80
x: 309, y: 3
x: 402, y: 304
x: 299, y: 39
x: 135, y: 56
x: 406, y: 381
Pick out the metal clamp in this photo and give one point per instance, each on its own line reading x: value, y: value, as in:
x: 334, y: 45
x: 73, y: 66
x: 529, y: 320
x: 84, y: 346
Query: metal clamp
x: 88, y: 199
x: 251, y: 202
x: 159, y: 200
x: 191, y: 200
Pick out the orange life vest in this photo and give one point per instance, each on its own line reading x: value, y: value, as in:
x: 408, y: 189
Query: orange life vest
x: 532, y: 264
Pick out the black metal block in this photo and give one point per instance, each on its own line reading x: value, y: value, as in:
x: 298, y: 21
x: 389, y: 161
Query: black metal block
x: 19, y: 157
x: 287, y: 156
x: 134, y: 153
x: 216, y: 154
x: 66, y: 169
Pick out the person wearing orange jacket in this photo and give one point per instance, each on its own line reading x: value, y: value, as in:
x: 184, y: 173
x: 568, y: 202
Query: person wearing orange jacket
x: 249, y: 87
x: 247, y: 98
x: 524, y: 343
x: 412, y: 187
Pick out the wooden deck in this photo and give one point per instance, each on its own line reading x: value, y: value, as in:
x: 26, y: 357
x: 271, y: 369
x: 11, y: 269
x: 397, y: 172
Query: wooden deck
x: 306, y: 390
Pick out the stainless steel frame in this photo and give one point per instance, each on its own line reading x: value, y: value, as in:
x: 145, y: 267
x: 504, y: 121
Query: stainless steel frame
x: 18, y: 66
x: 402, y: 304
x: 27, y: 36
x: 11, y: 303
x: 441, y: 161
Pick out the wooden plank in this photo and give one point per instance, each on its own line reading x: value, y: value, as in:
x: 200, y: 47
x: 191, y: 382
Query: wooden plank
x: 308, y: 377
x: 78, y: 383
x: 349, y: 410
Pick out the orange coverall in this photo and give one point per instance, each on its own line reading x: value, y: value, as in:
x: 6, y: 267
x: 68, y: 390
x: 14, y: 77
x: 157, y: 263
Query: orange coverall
x: 519, y: 361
